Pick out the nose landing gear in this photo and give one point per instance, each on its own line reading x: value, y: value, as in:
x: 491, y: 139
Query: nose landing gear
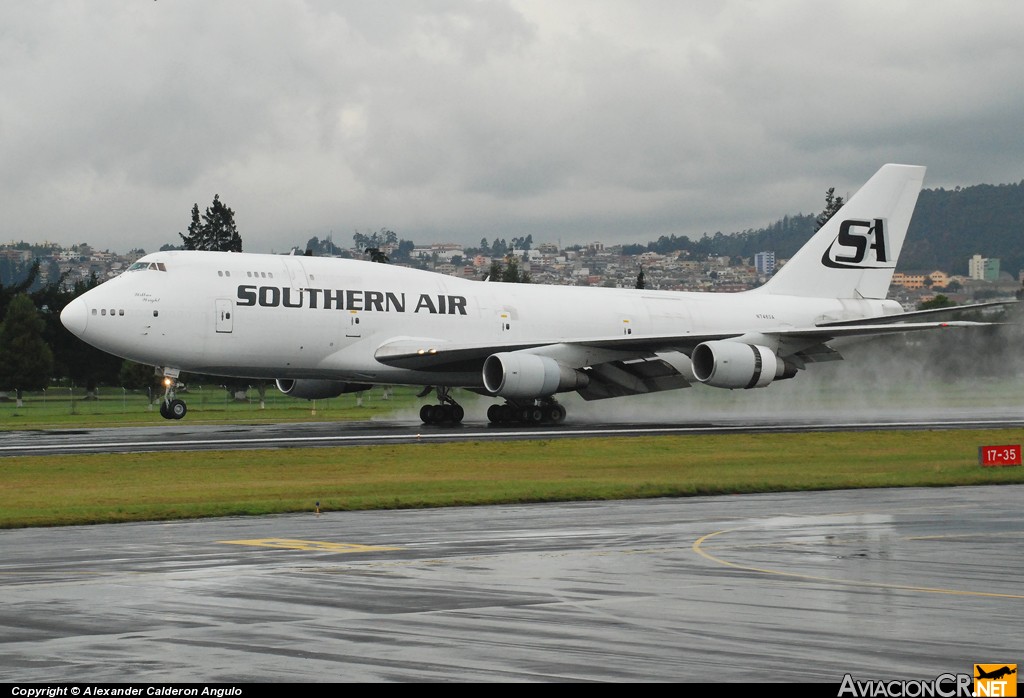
x: 170, y: 406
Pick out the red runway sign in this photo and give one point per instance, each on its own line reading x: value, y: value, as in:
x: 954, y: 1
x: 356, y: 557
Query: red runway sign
x: 991, y: 456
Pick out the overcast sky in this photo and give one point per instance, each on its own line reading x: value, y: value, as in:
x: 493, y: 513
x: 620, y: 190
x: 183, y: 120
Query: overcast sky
x: 457, y: 119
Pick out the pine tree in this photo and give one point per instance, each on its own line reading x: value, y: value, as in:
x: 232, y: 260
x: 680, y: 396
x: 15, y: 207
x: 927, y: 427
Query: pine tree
x: 216, y: 231
x: 832, y: 205
x: 196, y: 239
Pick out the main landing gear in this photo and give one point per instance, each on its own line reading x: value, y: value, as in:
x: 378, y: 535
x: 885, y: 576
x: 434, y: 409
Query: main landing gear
x: 543, y: 411
x: 170, y: 406
x: 447, y: 411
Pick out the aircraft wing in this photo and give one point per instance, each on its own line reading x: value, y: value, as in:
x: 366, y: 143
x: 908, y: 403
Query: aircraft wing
x: 436, y: 354
x: 433, y: 354
x: 915, y: 314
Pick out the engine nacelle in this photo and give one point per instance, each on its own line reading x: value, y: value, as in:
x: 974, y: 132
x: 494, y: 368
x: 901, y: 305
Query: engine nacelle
x: 725, y: 364
x: 316, y: 389
x: 514, y: 374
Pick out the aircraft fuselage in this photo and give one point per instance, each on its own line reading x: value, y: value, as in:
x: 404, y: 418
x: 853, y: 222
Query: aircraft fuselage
x: 271, y: 316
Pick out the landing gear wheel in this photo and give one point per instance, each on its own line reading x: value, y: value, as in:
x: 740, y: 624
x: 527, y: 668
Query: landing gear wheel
x: 457, y: 414
x: 546, y: 411
x: 507, y: 413
x: 554, y: 414
x: 164, y: 411
x: 177, y: 409
x: 438, y: 414
x: 446, y: 412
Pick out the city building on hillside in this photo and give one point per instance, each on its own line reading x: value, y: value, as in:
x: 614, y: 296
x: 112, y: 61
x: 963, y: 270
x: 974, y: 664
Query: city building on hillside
x: 444, y: 252
x: 764, y: 262
x: 983, y: 268
x: 913, y: 281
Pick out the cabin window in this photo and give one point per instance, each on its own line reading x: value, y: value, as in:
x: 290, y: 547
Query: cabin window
x: 120, y: 312
x: 156, y: 313
x: 249, y: 274
x: 94, y: 311
x: 220, y: 273
x: 103, y: 312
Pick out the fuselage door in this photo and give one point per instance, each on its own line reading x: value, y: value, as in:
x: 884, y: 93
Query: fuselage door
x: 353, y: 329
x: 507, y: 317
x: 225, y: 308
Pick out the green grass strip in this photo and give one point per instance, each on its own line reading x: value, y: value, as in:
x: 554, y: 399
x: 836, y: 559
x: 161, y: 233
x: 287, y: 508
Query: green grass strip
x: 46, y: 490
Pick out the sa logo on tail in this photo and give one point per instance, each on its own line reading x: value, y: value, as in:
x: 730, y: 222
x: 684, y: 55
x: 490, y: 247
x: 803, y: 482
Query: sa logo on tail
x: 856, y: 239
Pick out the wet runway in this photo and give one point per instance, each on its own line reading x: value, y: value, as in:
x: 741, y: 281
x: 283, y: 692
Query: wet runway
x: 882, y: 584
x: 183, y: 436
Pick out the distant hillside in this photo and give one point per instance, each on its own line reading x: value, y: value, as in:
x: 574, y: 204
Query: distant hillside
x: 950, y: 226
x: 947, y: 229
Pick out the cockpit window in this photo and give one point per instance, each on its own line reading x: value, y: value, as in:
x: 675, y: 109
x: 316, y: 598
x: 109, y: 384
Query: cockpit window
x: 152, y: 266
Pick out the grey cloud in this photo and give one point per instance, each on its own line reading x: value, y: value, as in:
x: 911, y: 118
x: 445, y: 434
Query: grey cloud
x: 456, y: 119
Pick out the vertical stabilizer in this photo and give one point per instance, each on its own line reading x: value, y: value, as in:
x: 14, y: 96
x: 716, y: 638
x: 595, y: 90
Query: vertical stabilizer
x: 855, y: 253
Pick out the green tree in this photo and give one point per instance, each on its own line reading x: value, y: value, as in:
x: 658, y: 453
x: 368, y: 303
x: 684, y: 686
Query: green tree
x: 641, y: 282
x: 215, y: 231
x: 494, y: 271
x: 523, y: 243
x: 510, y: 272
x: 83, y: 363
x: 381, y: 238
x: 25, y: 361
x: 940, y: 301
x: 832, y: 205
x: 404, y: 250
x: 136, y: 376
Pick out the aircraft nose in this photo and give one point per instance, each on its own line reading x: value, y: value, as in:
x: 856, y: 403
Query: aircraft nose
x: 75, y: 316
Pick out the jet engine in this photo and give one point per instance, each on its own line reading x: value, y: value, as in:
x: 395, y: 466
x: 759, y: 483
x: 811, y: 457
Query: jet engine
x: 514, y: 374
x: 725, y: 364
x: 316, y: 389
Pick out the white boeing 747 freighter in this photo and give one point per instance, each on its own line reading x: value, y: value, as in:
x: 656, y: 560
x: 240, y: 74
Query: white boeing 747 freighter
x: 322, y: 326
